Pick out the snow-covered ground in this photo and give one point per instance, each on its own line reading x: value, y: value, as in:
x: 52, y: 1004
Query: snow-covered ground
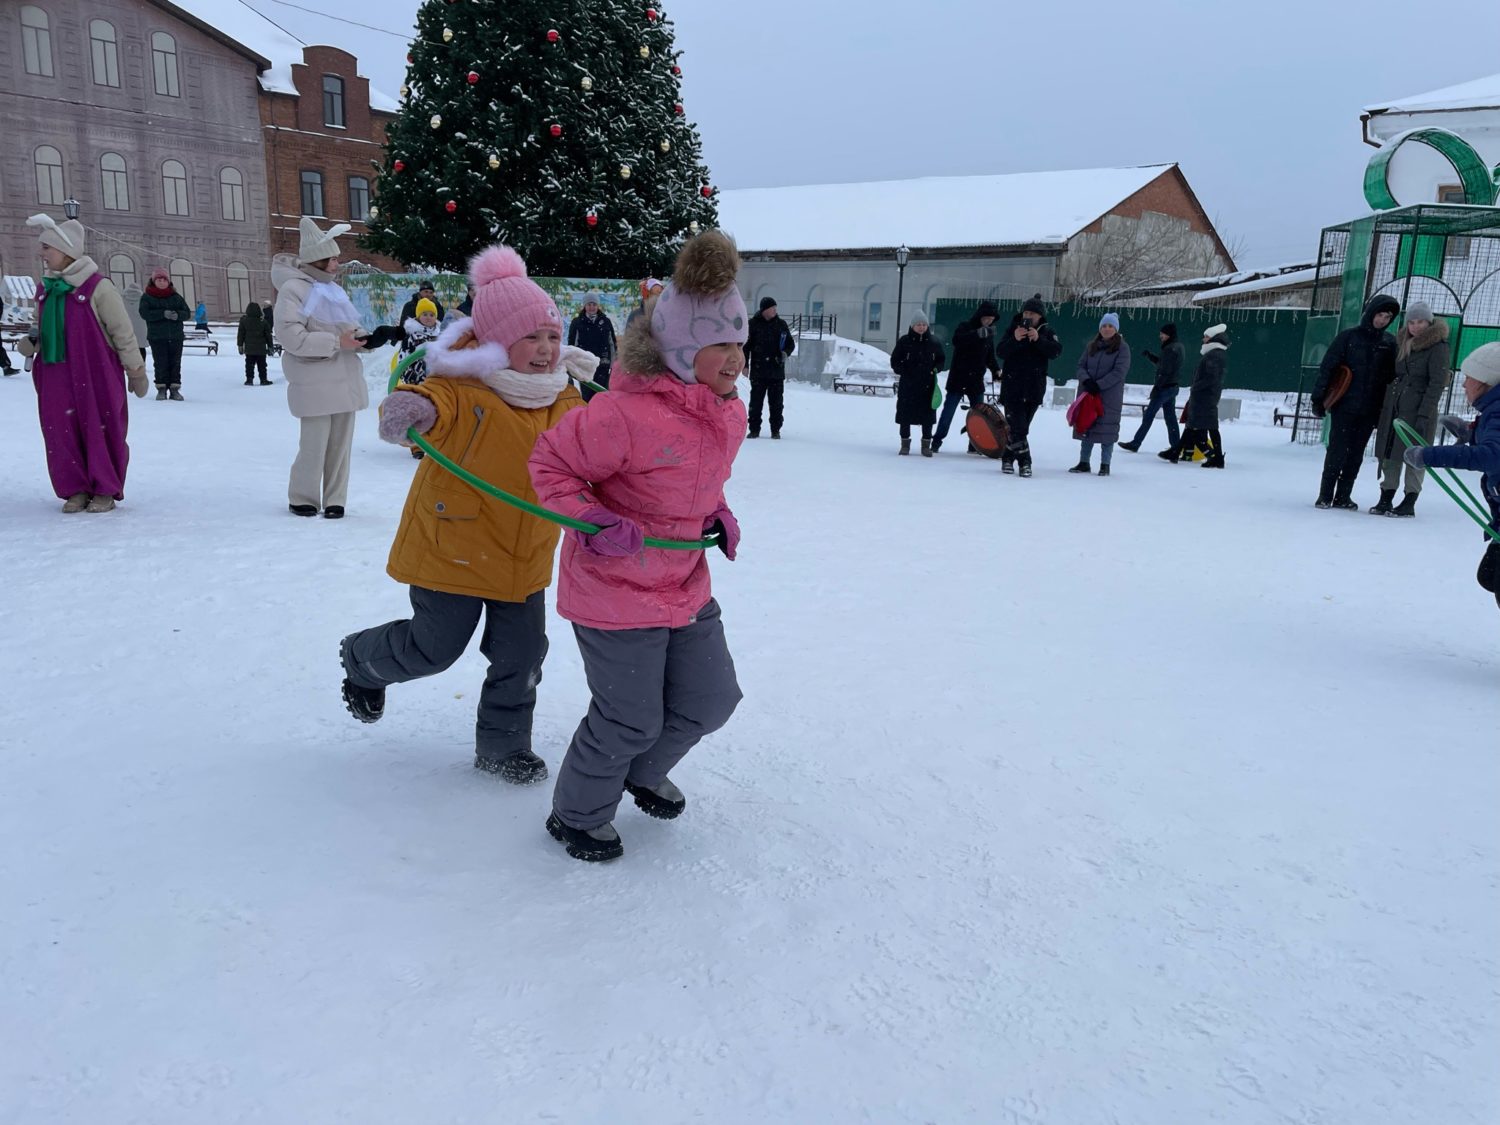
x: 1157, y: 799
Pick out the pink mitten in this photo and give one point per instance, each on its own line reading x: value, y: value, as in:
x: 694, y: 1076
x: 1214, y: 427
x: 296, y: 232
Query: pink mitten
x: 617, y: 537
x: 403, y: 410
x: 728, y: 527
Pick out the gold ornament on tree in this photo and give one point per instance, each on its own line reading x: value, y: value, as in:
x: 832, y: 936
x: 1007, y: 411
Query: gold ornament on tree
x: 624, y: 171
x: 447, y: 35
x: 494, y: 160
x: 693, y: 226
x: 374, y: 211
x: 645, y: 52
x: 666, y: 145
x: 587, y: 83
x: 405, y: 91
x: 437, y: 121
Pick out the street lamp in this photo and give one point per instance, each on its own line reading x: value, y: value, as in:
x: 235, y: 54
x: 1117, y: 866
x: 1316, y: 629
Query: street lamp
x: 902, y: 256
x: 70, y: 208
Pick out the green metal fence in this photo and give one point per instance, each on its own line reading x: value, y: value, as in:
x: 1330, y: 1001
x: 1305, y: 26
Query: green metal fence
x: 1265, y: 353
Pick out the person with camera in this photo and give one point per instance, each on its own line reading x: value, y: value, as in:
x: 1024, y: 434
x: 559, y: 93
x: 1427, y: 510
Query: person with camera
x: 1363, y: 360
x: 973, y: 355
x: 1025, y: 350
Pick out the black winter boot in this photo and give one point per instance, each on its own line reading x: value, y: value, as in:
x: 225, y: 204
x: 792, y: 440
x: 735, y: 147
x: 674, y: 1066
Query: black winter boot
x: 593, y: 846
x: 1407, y: 508
x: 664, y: 802
x: 926, y: 447
x: 303, y: 509
x: 1104, y: 470
x: 1488, y: 574
x: 1323, y: 502
x: 1130, y: 446
x: 174, y: 392
x: 1081, y: 467
x: 1168, y: 455
x: 937, y: 443
x: 905, y: 447
x: 1007, y: 465
x: 1025, y: 470
x: 365, y: 704
x: 1383, y: 508
x: 521, y: 768
x: 161, y: 392
x: 1345, y: 504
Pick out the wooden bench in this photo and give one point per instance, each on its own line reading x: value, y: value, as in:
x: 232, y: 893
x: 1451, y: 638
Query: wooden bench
x: 859, y: 386
x: 211, y: 347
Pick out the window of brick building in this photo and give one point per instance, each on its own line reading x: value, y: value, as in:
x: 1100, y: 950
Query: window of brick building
x: 359, y: 198
x: 182, y: 279
x: 164, y: 64
x: 36, y: 41
x: 232, y: 194
x: 115, y: 181
x: 312, y: 193
x: 106, y: 53
x: 174, y: 188
x: 122, y: 272
x: 333, y: 101
x: 239, y: 287
x: 49, y: 176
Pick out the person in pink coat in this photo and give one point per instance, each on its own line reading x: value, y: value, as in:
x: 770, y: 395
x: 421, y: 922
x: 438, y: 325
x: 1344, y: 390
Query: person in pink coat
x: 649, y: 458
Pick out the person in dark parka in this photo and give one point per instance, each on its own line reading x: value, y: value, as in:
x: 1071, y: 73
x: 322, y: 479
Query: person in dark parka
x: 1369, y: 351
x: 770, y: 342
x: 1026, y: 348
x: 973, y: 355
x: 1163, y: 390
x: 165, y: 314
x: 254, y: 341
x: 1423, y: 370
x: 1102, y: 369
x: 409, y: 310
x: 1203, y: 403
x: 916, y: 361
x: 594, y: 332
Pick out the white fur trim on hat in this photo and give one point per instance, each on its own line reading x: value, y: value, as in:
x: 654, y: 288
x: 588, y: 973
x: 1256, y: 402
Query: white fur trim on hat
x: 317, y: 245
x: 1215, y: 330
x: 66, y: 236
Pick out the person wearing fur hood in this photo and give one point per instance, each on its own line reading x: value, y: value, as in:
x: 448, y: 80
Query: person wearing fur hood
x: 84, y: 353
x: 495, y: 382
x: 1423, y: 370
x: 318, y: 329
x: 650, y: 458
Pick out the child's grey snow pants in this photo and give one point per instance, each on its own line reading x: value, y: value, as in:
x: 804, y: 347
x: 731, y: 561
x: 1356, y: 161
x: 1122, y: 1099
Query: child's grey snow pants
x: 432, y: 640
x: 656, y: 693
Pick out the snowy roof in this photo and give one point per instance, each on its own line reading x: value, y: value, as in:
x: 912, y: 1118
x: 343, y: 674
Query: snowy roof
x: 1021, y: 209
x: 1481, y: 93
x: 1275, y: 281
x: 254, y: 32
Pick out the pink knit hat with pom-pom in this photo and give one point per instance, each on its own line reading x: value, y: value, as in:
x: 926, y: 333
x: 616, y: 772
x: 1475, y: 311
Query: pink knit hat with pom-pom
x: 508, y: 305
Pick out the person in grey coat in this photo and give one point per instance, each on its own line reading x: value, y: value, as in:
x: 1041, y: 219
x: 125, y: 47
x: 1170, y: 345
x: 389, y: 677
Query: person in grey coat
x: 1163, y: 391
x: 1102, y: 370
x: 1203, y: 404
x: 1423, y: 367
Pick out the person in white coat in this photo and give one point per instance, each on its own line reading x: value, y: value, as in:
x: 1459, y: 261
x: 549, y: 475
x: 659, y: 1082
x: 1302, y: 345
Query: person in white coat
x: 318, y: 329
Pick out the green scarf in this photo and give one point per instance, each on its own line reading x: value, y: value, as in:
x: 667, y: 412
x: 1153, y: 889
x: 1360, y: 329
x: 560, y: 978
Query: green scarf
x: 54, y: 341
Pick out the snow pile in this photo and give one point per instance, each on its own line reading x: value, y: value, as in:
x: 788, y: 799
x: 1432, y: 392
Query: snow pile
x: 1182, y: 812
x: 849, y: 357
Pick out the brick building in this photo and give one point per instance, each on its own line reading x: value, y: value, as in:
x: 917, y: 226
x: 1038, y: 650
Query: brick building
x: 190, y: 134
x: 323, y: 143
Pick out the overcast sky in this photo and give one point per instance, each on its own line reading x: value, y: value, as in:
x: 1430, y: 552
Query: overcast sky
x: 1259, y: 102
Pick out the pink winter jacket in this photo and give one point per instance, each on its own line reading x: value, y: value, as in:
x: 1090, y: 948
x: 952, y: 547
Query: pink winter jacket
x: 658, y: 451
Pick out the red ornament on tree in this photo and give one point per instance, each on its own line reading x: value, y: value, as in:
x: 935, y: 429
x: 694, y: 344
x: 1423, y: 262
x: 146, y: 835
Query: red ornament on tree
x: 399, y: 166
x: 473, y: 77
x: 408, y: 58
x: 705, y: 191
x: 556, y: 130
x: 651, y: 13
x: 677, y: 70
x: 450, y: 207
x: 592, y: 219
x: 553, y: 36
x: 677, y: 109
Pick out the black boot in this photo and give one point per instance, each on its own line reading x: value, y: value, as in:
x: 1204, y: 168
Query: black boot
x: 1384, y: 507
x: 365, y: 704
x: 905, y: 447
x: 665, y: 802
x: 174, y: 392
x: 1081, y: 467
x: 1007, y: 465
x: 303, y: 509
x: 1323, y: 501
x: 1345, y: 504
x: 1131, y: 446
x: 753, y: 434
x: 1168, y: 455
x: 926, y: 447
x: 161, y: 392
x: 249, y: 382
x: 1104, y: 470
x: 1407, y: 508
x: 1488, y: 574
x: 333, y: 512
x: 521, y: 768
x: 937, y: 443
x: 1025, y: 469
x: 594, y: 846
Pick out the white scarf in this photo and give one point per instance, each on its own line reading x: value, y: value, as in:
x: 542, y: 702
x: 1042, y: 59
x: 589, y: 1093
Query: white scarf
x: 327, y: 302
x: 1214, y: 347
x: 527, y: 391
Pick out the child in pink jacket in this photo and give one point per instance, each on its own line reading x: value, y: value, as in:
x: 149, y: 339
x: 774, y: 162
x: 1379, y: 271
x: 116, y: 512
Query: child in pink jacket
x: 649, y: 458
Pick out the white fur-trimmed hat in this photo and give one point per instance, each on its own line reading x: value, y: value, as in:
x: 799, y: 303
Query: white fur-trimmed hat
x: 316, y: 245
x: 66, y: 236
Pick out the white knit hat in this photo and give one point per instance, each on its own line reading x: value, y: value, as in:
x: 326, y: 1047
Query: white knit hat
x: 1483, y: 364
x: 66, y: 236
x: 315, y: 245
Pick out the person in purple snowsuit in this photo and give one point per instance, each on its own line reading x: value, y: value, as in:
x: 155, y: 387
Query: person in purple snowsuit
x: 84, y: 344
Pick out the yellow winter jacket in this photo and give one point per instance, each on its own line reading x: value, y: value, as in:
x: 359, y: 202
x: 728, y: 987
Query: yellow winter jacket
x: 453, y: 537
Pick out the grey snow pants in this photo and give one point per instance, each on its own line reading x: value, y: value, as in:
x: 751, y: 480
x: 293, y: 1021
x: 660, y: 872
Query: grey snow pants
x: 432, y: 640
x: 656, y: 693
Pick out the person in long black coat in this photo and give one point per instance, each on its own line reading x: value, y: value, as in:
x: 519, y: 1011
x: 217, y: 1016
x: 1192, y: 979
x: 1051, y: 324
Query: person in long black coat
x: 973, y: 355
x: 916, y: 361
x: 1369, y: 352
x: 594, y: 332
x: 770, y: 342
x: 1203, y: 404
x: 1026, y: 348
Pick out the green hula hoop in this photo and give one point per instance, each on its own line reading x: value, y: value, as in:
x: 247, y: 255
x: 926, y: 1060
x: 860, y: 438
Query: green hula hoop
x: 489, y: 489
x: 1474, y: 509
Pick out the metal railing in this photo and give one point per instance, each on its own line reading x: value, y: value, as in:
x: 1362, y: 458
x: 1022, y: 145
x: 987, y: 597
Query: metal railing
x: 815, y: 327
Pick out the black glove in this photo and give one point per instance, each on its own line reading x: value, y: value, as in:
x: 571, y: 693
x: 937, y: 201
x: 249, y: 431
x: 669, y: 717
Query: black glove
x: 1317, y: 409
x: 1153, y: 357
x: 1091, y: 385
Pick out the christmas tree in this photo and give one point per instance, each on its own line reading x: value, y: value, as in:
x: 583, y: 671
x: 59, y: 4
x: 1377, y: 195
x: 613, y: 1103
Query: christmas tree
x: 556, y: 127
